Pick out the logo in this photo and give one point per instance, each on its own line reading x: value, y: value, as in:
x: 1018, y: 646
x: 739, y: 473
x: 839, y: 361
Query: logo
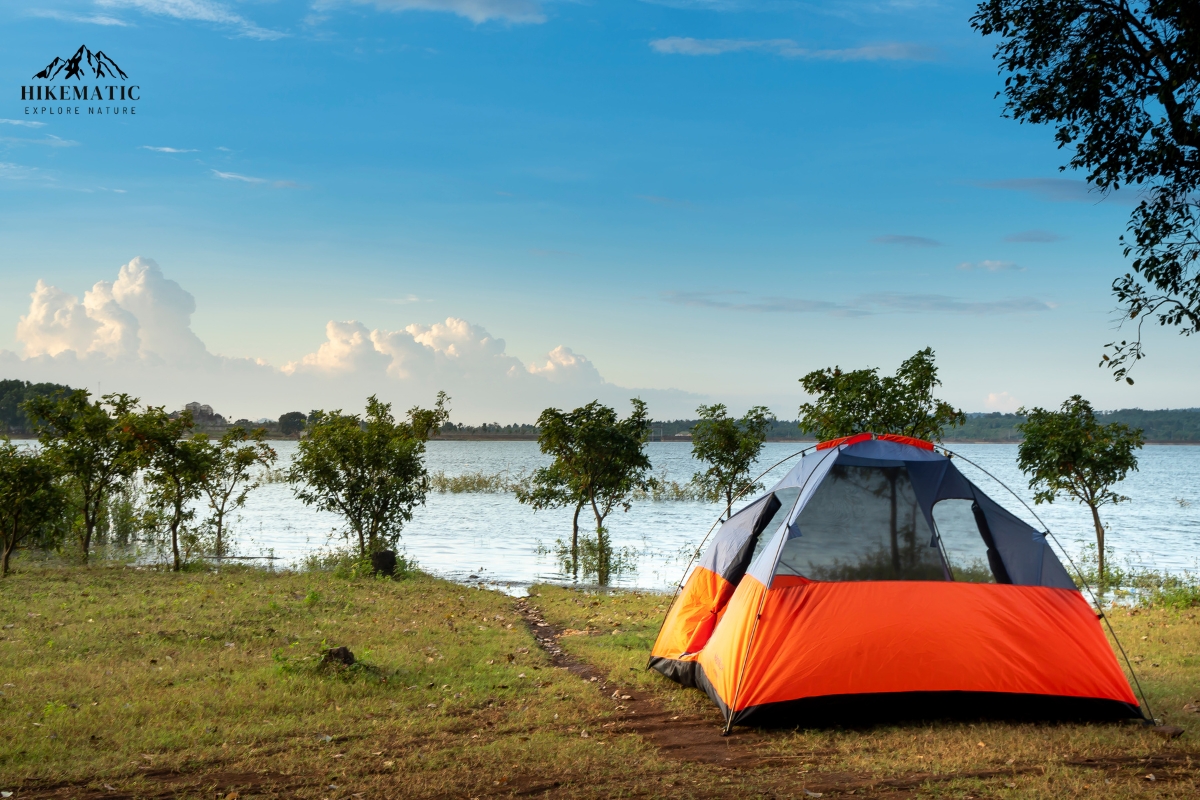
x: 74, y: 74
x: 101, y: 66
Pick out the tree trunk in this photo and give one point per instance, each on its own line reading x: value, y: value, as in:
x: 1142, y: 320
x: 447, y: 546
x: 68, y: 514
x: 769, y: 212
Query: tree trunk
x: 728, y: 501
x: 8, y: 548
x: 603, y: 557
x: 90, y: 509
x: 175, y: 537
x: 575, y: 542
x: 1099, y: 543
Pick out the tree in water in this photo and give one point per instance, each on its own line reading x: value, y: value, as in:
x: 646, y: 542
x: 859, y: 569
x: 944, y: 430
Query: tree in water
x: 1120, y: 82
x: 94, y: 444
x: 178, y: 462
x: 370, y: 470
x: 229, y: 481
x: 1067, y: 453
x: 599, y: 461
x: 730, y: 447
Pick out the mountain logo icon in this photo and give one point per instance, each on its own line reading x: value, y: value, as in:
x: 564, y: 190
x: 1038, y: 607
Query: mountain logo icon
x: 96, y: 63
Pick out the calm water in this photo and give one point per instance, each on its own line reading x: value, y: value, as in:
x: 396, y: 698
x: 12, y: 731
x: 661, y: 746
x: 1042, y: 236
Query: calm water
x: 494, y: 539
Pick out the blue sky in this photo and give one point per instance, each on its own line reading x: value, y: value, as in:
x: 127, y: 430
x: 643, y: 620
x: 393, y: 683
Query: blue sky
x: 696, y: 200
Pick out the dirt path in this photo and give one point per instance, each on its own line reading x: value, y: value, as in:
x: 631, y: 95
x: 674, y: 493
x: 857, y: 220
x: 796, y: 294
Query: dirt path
x: 696, y: 738
x: 683, y: 737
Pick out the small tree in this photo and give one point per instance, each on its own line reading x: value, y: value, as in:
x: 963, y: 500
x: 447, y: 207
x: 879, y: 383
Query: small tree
x: 730, y: 447
x: 370, y: 470
x: 599, y: 460
x: 859, y: 401
x: 1068, y: 453
x: 229, y: 481
x: 178, y: 465
x: 92, y: 443
x: 32, y: 500
x: 292, y: 422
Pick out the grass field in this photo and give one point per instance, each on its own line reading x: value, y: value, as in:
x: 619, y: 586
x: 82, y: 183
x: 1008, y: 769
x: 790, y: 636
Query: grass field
x: 119, y: 682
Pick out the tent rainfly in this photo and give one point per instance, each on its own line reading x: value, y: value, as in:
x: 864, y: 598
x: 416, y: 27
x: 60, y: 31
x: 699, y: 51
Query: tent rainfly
x: 875, y: 581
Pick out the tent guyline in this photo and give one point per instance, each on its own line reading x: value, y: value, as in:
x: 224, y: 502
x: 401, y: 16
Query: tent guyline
x: 875, y: 580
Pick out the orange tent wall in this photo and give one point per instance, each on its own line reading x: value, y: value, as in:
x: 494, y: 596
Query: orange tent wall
x: 694, y: 615
x: 819, y: 639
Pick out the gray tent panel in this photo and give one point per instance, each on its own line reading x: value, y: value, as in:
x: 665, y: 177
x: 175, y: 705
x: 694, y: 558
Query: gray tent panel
x: 1022, y: 547
x: 734, y: 542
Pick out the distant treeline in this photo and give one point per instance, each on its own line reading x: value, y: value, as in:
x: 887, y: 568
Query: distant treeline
x: 1172, y: 425
x: 13, y: 421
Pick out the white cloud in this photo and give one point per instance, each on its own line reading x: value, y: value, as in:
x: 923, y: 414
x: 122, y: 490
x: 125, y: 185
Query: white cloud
x: 198, y: 11
x: 89, y: 19
x: 16, y: 172
x: 50, y: 140
x: 519, y: 11
x: 990, y: 266
x: 234, y: 176
x: 563, y: 365
x: 788, y: 48
x: 1002, y: 402
x: 167, y: 149
x: 22, y: 123
x: 134, y: 334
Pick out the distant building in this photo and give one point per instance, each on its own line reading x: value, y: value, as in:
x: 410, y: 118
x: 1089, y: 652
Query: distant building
x: 204, y: 416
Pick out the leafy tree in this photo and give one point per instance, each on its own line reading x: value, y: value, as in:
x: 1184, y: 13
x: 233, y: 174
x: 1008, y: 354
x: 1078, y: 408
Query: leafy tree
x: 859, y: 401
x: 32, y: 499
x: 1120, y: 81
x: 369, y: 469
x: 730, y: 447
x: 599, y: 460
x: 1069, y: 453
x: 229, y: 481
x: 292, y: 422
x: 178, y: 463
x: 93, y: 443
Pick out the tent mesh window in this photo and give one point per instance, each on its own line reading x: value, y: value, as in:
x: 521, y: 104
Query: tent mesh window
x: 863, y: 524
x: 964, y: 547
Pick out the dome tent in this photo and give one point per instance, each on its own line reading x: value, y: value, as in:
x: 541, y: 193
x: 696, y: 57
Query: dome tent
x: 874, y: 580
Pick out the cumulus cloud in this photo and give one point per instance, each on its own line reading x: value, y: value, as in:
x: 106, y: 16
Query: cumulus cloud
x: 1003, y: 402
x: 990, y: 266
x: 518, y: 11
x: 885, y: 51
x: 563, y: 365
x: 141, y: 315
x: 906, y: 241
x: 134, y: 334
x: 197, y: 11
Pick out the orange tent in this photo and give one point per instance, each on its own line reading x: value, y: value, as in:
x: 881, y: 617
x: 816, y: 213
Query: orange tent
x: 876, y: 581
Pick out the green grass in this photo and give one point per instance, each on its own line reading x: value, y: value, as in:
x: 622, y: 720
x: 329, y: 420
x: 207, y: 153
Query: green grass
x: 1164, y: 642
x: 121, y: 676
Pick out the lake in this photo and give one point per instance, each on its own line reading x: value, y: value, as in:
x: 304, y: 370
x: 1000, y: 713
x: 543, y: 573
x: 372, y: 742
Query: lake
x: 491, y: 538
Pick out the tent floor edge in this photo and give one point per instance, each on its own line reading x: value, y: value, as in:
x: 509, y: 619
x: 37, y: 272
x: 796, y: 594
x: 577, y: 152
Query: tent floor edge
x: 880, y: 708
x: 682, y: 672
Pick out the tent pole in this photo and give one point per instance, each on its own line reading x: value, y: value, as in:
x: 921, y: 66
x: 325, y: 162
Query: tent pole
x: 1100, y: 610
x: 737, y: 686
x: 696, y: 552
